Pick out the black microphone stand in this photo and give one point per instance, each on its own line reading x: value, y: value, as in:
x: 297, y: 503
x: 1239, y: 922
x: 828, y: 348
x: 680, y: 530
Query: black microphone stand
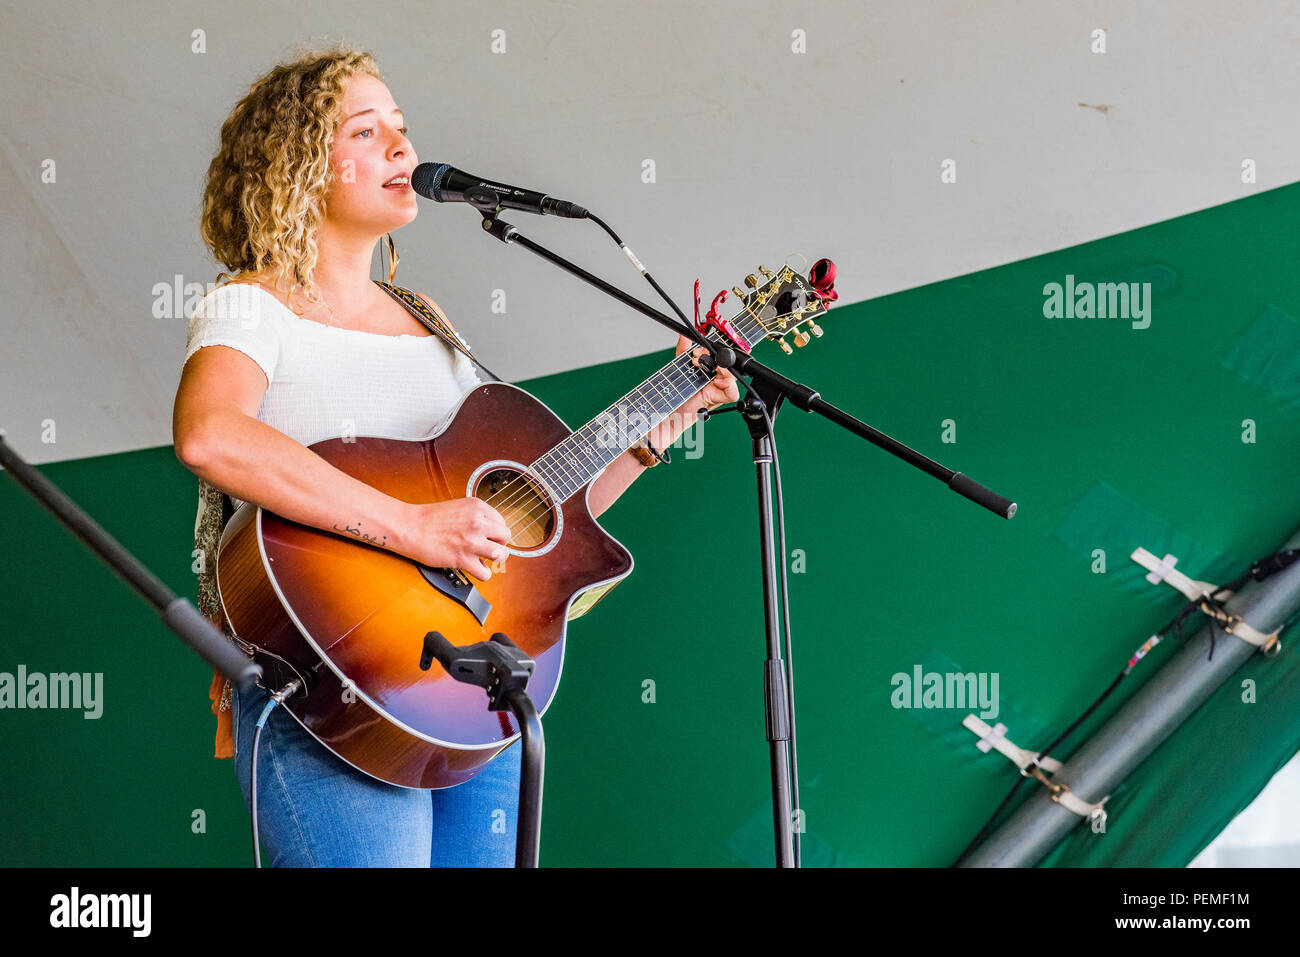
x: 502, y: 669
x: 768, y: 388
x: 178, y: 614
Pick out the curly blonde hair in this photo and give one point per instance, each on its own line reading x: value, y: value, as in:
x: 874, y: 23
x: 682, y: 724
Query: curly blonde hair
x: 264, y: 194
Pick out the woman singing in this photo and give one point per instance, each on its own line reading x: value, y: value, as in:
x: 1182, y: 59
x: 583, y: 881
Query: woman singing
x: 300, y: 345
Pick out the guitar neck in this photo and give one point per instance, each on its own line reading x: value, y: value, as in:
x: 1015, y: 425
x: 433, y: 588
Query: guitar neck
x: 576, y: 460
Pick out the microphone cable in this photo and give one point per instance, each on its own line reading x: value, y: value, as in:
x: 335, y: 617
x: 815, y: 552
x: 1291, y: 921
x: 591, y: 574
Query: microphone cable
x: 275, y: 699
x: 690, y: 331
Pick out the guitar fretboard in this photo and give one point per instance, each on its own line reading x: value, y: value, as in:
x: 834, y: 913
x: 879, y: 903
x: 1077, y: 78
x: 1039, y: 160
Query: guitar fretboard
x: 576, y: 460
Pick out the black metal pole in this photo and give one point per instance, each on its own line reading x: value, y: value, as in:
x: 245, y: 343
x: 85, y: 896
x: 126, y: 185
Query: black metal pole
x: 742, y: 363
x: 528, y: 841
x: 774, y: 387
x: 503, y: 670
x: 776, y: 701
x: 178, y: 614
x: 509, y: 234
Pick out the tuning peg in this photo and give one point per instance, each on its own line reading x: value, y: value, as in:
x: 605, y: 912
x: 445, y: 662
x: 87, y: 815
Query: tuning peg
x: 816, y: 329
x: 785, y: 346
x: 801, y: 339
x: 752, y: 280
x: 766, y: 272
x: 740, y: 293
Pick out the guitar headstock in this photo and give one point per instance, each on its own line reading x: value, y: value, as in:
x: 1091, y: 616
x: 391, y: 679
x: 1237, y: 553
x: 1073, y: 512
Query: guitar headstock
x: 782, y: 302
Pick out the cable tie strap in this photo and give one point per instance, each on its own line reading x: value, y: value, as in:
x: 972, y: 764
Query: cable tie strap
x: 1063, y: 796
x: 1236, y: 625
x: 996, y: 738
x: 1033, y: 766
x: 1162, y: 570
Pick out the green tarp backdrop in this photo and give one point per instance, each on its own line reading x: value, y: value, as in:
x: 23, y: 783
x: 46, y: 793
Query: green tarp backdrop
x: 1180, y: 437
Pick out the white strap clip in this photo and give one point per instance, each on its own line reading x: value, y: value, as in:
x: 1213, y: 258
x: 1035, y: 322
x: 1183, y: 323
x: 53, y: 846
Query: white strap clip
x: 990, y: 738
x: 1162, y: 570
x: 995, y: 737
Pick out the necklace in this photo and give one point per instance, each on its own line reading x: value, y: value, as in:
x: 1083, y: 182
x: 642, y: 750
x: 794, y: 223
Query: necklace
x: 329, y: 320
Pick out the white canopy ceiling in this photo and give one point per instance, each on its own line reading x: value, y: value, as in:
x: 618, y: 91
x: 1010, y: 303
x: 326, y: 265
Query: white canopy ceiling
x: 759, y: 150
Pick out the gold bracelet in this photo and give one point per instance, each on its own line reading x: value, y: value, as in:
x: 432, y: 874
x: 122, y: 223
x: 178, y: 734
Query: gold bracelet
x: 643, y: 455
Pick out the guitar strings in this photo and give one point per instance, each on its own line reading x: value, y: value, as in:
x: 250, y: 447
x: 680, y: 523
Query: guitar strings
x: 679, y: 371
x: 523, y: 485
x: 675, y: 371
x: 676, y: 375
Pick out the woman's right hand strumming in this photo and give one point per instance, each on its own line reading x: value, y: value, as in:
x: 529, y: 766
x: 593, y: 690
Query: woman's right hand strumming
x: 219, y: 438
x: 460, y: 533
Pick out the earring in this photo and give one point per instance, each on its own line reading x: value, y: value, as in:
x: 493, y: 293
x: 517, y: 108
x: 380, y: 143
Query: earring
x: 393, y: 258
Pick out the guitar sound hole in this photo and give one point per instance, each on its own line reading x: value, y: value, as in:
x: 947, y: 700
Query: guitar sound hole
x: 524, y: 505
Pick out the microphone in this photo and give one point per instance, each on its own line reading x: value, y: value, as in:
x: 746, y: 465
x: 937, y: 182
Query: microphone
x: 443, y: 183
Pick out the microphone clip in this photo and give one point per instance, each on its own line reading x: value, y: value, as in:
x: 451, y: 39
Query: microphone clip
x: 497, y: 227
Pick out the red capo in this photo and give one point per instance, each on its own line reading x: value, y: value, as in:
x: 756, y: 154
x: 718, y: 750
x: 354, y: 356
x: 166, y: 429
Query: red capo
x: 713, y: 320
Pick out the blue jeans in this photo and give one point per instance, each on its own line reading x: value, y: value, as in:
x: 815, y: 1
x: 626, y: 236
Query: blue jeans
x: 316, y: 810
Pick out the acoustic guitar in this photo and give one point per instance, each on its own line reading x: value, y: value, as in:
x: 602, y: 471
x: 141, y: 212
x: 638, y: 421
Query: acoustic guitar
x: 349, y: 618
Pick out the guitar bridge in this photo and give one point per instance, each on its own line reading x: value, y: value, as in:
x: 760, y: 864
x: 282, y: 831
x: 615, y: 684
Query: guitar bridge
x: 457, y: 586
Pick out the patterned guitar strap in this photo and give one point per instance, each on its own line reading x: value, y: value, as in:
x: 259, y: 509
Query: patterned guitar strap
x: 435, y: 322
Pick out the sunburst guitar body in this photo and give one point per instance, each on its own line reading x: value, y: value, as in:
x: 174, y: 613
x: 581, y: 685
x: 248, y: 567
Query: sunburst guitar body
x: 348, y: 617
